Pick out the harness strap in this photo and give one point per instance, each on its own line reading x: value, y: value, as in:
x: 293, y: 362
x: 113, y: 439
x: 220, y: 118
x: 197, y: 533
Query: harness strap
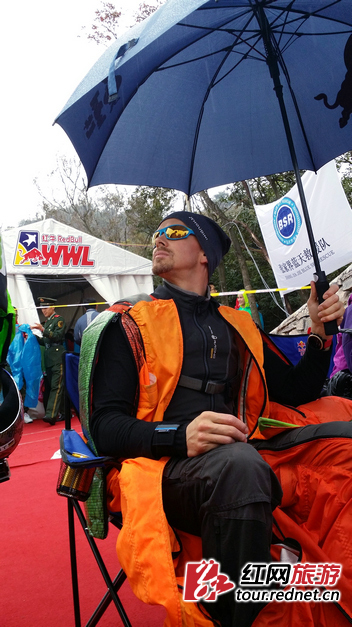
x: 209, y: 387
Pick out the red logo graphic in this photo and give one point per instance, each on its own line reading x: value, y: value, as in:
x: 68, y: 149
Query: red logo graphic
x: 53, y: 250
x: 324, y: 574
x: 203, y: 581
x: 301, y: 347
x: 33, y: 255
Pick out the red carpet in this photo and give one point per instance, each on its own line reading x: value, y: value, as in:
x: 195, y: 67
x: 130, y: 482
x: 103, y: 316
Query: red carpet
x: 34, y: 551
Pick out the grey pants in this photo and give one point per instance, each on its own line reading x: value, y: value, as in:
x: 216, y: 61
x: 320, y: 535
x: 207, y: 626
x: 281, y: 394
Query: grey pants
x: 226, y: 497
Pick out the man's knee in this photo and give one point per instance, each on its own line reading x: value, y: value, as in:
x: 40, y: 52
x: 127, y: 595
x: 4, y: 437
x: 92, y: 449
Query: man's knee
x: 237, y: 476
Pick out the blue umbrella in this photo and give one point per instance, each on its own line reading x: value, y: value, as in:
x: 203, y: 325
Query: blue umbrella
x: 206, y: 93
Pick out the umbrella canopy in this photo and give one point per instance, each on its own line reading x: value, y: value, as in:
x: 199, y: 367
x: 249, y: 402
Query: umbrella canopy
x: 186, y: 99
x: 206, y: 93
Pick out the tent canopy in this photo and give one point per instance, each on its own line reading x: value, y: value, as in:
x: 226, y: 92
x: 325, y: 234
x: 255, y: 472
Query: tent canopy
x: 50, y: 254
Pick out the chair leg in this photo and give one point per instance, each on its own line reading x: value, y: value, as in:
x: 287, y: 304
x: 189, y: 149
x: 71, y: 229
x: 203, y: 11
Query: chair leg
x: 73, y: 556
x: 105, y: 602
x: 102, y: 567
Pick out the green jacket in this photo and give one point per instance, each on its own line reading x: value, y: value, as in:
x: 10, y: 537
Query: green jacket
x: 53, y: 339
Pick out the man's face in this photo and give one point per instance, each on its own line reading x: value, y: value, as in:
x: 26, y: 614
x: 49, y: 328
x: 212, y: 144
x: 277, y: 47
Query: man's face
x: 48, y: 311
x: 171, y: 257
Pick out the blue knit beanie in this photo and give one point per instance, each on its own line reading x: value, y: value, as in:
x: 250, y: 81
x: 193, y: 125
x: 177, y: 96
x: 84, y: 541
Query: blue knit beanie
x: 212, y: 239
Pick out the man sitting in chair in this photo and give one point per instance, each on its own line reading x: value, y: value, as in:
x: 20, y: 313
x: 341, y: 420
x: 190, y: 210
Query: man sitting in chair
x: 179, y: 385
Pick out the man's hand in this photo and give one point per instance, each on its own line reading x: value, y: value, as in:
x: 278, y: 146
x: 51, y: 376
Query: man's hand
x: 210, y: 429
x: 37, y: 326
x: 331, y: 309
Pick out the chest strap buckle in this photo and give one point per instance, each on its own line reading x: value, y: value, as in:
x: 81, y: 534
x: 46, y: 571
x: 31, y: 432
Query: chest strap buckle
x: 209, y: 387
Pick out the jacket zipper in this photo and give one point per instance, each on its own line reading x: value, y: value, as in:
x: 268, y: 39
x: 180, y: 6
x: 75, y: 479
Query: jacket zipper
x: 294, y: 409
x: 205, y: 346
x: 245, y: 379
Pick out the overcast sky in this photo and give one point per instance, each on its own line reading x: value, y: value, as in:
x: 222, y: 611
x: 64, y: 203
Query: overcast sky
x: 45, y: 54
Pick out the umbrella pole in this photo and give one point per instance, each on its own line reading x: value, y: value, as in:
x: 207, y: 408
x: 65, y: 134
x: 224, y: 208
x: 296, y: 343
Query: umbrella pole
x: 321, y: 281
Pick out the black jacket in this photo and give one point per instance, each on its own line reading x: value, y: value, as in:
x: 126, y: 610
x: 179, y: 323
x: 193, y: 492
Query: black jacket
x: 210, y: 353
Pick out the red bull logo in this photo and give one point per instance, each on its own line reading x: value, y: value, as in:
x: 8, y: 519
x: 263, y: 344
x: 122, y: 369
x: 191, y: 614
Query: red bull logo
x: 46, y: 249
x: 301, y: 347
x: 33, y: 255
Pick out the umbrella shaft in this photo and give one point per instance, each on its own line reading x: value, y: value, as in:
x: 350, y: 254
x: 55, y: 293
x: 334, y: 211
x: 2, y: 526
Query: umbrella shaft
x: 307, y: 218
x: 272, y: 62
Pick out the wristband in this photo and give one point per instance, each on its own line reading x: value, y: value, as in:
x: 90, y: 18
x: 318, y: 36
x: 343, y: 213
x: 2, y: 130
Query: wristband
x: 164, y: 437
x: 318, y: 342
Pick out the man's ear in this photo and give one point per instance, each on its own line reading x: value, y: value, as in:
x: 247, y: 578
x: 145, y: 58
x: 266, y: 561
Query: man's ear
x: 203, y: 258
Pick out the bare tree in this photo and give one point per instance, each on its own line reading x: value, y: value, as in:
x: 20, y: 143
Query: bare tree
x: 214, y: 209
x: 105, y: 25
x: 107, y: 21
x: 98, y: 215
x: 145, y: 9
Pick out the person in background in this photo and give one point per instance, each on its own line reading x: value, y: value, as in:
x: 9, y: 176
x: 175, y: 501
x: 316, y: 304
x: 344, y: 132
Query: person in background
x: 69, y: 341
x: 53, y: 331
x: 82, y: 322
x: 14, y: 360
x: 340, y: 383
x: 242, y: 304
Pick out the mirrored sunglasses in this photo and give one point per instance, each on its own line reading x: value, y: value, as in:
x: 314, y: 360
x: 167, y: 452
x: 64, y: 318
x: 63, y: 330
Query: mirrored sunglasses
x: 175, y: 231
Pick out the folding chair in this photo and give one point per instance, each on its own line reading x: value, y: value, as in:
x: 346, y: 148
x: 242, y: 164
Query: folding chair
x: 77, y: 469
x: 77, y: 456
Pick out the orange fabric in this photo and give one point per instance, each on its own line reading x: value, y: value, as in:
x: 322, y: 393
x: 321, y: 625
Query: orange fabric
x: 316, y: 479
x: 301, y: 614
x: 139, y: 541
x: 164, y: 354
x: 146, y: 541
x: 253, y: 399
x: 325, y: 409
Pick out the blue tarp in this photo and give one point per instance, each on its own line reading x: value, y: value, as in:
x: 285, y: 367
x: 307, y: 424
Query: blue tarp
x: 24, y: 358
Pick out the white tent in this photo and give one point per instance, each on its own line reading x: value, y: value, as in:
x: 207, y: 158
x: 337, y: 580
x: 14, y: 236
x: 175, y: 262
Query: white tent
x: 51, y: 253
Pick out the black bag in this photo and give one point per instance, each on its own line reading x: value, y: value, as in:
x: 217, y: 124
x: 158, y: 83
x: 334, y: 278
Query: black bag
x: 340, y: 384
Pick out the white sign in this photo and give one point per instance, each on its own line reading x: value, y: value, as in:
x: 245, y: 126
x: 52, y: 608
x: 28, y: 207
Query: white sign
x: 285, y: 234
